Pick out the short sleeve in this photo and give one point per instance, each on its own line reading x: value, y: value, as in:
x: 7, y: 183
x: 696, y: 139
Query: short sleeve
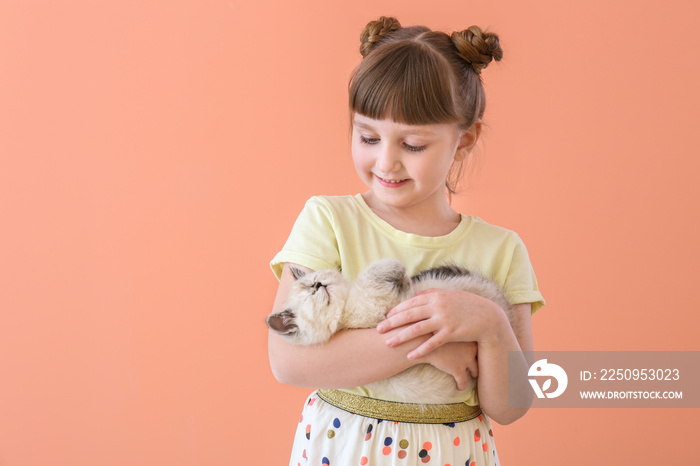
x: 521, y: 283
x: 312, y: 242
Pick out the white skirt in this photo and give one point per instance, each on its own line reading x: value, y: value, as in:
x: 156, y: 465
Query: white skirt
x: 329, y: 435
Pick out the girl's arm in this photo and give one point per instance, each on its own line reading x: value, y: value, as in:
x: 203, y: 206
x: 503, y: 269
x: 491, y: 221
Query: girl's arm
x: 450, y: 316
x: 494, y: 349
x: 350, y: 358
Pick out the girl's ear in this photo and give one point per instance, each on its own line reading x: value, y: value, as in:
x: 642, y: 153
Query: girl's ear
x: 467, y: 141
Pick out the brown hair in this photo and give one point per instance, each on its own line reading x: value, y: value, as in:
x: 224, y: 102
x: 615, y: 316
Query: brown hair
x: 417, y: 76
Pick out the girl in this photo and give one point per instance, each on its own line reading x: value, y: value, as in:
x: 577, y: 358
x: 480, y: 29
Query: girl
x: 416, y: 103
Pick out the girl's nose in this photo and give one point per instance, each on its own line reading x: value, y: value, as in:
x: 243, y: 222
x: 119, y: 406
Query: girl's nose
x: 388, y: 160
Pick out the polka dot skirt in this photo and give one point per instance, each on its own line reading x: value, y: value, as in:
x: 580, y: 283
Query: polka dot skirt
x: 327, y: 435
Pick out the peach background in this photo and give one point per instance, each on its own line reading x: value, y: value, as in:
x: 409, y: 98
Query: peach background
x: 153, y: 156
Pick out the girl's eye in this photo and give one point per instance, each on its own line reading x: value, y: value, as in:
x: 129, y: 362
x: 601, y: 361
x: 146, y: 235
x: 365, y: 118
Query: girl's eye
x: 414, y: 148
x: 366, y: 140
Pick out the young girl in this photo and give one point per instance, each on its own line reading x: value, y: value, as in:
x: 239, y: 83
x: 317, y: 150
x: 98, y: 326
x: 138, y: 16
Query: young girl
x: 416, y: 103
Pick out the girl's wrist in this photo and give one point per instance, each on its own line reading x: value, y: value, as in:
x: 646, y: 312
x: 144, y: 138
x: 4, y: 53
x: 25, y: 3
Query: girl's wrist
x: 497, y: 326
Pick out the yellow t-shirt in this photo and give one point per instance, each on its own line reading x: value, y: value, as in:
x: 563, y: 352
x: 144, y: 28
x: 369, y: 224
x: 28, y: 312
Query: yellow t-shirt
x: 342, y: 232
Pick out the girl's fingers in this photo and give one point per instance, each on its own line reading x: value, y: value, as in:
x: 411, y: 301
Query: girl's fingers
x: 401, y: 307
x: 423, y: 327
x: 434, y: 342
x: 461, y: 380
x: 417, y: 300
x: 473, y: 370
x: 403, y: 317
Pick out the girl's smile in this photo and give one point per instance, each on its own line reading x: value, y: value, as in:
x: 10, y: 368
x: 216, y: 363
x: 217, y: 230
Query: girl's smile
x: 391, y: 183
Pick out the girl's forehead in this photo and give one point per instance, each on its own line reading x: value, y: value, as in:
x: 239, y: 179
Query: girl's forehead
x: 365, y: 122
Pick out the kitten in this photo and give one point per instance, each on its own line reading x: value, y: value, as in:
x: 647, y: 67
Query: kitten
x: 323, y: 302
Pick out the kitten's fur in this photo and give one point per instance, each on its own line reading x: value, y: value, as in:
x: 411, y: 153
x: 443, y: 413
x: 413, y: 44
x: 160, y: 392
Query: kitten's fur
x: 323, y: 302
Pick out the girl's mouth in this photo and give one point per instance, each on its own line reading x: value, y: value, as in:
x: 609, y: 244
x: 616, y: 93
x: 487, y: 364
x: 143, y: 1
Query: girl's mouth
x: 391, y: 183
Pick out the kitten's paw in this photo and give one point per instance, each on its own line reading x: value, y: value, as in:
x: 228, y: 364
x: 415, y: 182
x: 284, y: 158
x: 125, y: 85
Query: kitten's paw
x: 283, y: 322
x: 391, y: 272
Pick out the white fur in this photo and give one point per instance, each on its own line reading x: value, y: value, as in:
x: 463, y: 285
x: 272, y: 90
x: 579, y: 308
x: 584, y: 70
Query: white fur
x: 321, y: 303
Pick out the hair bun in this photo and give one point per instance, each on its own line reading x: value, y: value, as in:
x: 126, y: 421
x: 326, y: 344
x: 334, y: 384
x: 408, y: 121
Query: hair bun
x: 477, y: 47
x: 375, y: 31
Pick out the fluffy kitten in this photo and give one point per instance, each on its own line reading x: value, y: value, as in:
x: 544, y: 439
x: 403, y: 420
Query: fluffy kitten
x: 323, y: 302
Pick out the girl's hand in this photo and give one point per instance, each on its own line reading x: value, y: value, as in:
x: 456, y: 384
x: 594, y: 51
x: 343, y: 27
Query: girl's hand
x: 446, y: 315
x: 457, y: 359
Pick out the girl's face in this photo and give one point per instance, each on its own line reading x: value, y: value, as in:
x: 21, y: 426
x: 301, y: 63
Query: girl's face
x: 404, y: 165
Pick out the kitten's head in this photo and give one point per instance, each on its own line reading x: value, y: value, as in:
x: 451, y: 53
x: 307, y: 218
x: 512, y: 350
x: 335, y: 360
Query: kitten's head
x: 313, y: 308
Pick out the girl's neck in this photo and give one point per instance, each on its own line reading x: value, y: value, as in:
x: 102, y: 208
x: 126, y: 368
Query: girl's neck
x: 423, y: 220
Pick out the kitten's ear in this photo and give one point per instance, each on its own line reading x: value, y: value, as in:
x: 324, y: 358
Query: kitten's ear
x: 283, y: 322
x: 298, y: 273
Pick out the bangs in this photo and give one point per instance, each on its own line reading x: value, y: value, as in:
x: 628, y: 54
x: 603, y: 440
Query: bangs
x: 407, y: 82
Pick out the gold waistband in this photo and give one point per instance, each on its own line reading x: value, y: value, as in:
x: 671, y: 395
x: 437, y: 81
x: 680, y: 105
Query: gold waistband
x: 396, y: 411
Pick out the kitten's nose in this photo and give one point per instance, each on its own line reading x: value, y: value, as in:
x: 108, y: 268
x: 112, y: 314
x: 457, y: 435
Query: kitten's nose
x: 318, y: 285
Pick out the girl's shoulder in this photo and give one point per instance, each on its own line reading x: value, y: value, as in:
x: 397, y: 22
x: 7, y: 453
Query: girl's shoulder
x: 490, y: 240
x: 327, y: 208
x: 336, y: 203
x: 336, y: 209
x: 483, y: 228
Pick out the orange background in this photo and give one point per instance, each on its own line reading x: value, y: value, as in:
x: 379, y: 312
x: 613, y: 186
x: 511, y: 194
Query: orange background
x: 154, y: 155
